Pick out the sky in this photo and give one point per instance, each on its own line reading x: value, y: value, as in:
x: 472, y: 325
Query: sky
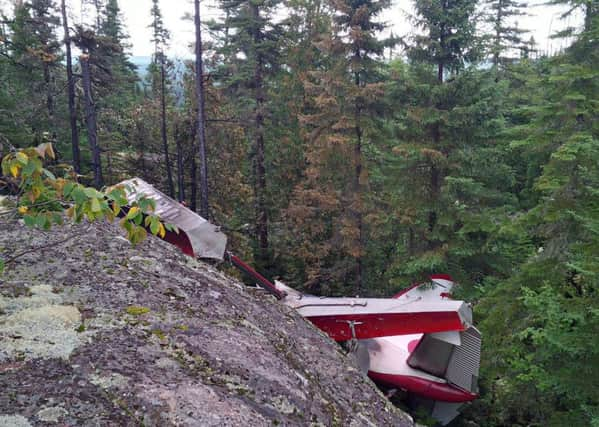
x: 542, y: 21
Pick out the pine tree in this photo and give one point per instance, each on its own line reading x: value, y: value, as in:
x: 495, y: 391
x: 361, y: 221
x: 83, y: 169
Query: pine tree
x: 112, y: 47
x: 450, y: 42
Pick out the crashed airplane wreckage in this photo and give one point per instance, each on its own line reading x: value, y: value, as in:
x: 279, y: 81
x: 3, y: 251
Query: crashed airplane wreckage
x: 419, y: 341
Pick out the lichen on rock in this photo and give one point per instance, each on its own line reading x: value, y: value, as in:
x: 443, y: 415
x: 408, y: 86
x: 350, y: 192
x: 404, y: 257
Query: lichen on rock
x: 204, y: 351
x: 37, y: 326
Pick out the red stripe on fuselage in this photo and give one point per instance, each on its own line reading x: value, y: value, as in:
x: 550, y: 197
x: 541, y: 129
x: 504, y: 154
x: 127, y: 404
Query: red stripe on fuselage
x: 425, y: 388
x: 386, y: 324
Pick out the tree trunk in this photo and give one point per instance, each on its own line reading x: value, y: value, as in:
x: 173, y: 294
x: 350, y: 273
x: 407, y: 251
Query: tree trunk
x: 49, y: 99
x: 71, y: 92
x: 358, y: 208
x: 169, y: 172
x: 259, y: 149
x: 497, y: 44
x: 201, y: 116
x: 590, y: 12
x: 180, y: 170
x: 141, y: 131
x: 90, y: 120
x: 194, y: 170
x: 358, y: 185
x: 435, y: 181
x: 435, y: 174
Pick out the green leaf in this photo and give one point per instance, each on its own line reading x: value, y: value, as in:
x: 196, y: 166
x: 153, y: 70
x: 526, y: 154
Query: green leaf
x: 29, y: 169
x: 49, y: 174
x: 95, y: 205
x: 1, y: 265
x: 154, y: 226
x: 171, y: 227
x: 68, y: 188
x: 78, y: 195
x: 22, y: 158
x: 29, y: 220
x: 91, y: 192
x: 57, y: 218
x: 40, y: 221
x: 118, y: 195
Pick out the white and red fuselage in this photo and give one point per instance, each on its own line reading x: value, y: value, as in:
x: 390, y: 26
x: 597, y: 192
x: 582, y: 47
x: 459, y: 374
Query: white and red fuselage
x: 412, y: 341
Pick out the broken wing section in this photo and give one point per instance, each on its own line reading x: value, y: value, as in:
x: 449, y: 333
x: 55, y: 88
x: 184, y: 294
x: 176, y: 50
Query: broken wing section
x: 202, y: 239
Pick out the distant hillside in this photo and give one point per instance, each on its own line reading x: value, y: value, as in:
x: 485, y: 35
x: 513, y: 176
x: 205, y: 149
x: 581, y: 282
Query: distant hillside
x: 142, y: 63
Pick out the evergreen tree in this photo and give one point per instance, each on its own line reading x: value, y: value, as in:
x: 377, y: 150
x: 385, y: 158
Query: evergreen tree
x: 445, y: 111
x: 330, y: 203
x: 507, y: 36
x: 112, y: 46
x: 450, y: 42
x: 35, y: 47
x: 251, y: 56
x: 550, y: 301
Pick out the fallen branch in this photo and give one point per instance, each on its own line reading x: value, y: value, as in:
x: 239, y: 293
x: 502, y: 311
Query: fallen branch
x: 12, y: 259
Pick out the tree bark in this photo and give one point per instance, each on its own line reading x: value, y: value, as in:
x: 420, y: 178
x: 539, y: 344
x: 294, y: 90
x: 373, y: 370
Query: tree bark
x: 49, y: 99
x: 201, y: 115
x: 497, y: 41
x: 435, y: 173
x: 358, y: 185
x: 71, y: 92
x: 169, y: 171
x: 194, y: 171
x: 141, y: 131
x: 358, y: 208
x: 180, y: 170
x: 90, y: 120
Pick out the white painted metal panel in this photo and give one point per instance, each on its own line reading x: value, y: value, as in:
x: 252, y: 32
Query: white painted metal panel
x: 206, y: 239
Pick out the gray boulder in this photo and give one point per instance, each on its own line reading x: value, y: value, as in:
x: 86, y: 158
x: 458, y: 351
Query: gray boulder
x: 94, y: 332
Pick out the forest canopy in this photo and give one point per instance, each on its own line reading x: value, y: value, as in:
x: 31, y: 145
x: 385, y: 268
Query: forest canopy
x: 348, y: 162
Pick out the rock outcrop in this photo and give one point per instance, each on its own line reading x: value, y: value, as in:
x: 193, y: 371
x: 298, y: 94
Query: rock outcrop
x: 95, y: 332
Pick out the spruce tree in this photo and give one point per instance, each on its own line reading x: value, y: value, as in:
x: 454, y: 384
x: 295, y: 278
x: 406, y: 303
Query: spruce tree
x: 338, y: 126
x: 550, y: 300
x: 449, y: 186
x: 507, y: 38
x: 35, y: 46
x: 251, y: 55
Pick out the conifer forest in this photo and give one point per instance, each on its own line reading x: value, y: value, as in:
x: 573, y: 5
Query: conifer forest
x: 346, y: 160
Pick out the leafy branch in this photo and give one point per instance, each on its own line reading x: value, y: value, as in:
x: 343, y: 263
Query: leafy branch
x: 43, y: 199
